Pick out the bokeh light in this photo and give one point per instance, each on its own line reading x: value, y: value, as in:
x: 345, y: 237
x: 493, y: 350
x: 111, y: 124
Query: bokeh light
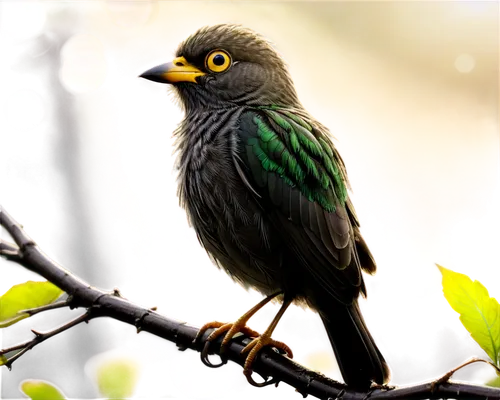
x: 320, y: 361
x: 22, y: 20
x: 83, y: 64
x: 465, y: 63
x: 130, y: 15
x: 197, y: 381
x: 25, y: 109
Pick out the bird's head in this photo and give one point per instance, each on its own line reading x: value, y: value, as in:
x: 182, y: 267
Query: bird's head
x: 226, y: 65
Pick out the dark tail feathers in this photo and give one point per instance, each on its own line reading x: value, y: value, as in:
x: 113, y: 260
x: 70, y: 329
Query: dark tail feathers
x: 359, y: 359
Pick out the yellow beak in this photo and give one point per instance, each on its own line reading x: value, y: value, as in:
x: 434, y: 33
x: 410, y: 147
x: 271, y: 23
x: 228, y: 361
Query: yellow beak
x: 179, y: 70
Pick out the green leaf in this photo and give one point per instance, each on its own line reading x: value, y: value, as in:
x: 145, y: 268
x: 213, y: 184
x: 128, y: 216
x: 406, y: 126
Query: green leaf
x: 3, y: 360
x: 25, y: 296
x: 495, y: 382
x: 117, y: 374
x: 41, y: 390
x: 479, y: 313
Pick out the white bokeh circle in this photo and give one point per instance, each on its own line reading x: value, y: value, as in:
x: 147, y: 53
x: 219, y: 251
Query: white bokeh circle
x: 465, y: 63
x: 83, y: 64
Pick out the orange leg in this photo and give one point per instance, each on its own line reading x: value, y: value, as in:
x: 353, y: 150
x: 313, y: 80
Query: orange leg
x: 263, y: 340
x: 231, y: 329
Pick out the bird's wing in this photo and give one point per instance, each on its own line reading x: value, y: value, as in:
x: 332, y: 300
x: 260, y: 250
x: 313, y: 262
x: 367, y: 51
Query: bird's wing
x: 300, y: 178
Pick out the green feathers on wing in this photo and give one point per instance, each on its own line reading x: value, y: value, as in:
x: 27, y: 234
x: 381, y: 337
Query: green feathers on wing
x: 285, y: 144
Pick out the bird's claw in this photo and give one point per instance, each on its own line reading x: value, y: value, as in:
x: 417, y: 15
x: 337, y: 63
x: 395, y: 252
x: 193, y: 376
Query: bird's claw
x: 206, y: 347
x: 253, y: 349
x: 205, y: 360
x: 231, y: 329
x: 221, y: 328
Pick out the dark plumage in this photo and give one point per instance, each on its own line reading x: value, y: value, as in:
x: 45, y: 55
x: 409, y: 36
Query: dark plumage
x: 266, y: 190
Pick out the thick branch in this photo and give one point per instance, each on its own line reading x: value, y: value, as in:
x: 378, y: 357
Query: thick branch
x: 268, y: 363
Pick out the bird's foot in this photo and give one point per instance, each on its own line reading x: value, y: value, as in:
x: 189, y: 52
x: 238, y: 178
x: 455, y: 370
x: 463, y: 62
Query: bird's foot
x: 221, y: 328
x: 253, y: 349
x: 230, y: 330
x: 240, y: 325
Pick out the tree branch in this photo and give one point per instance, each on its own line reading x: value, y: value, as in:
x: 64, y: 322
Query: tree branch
x: 268, y: 363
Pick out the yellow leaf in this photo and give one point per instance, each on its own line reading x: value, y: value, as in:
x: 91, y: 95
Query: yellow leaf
x: 25, y: 296
x: 10, y: 321
x: 117, y: 374
x: 41, y: 390
x: 479, y: 313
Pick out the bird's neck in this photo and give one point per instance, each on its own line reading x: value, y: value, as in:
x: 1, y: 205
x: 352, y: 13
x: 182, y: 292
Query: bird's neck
x: 203, y: 127
x: 197, y: 100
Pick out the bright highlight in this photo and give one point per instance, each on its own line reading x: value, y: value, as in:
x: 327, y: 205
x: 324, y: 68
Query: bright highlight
x: 22, y: 22
x: 83, y: 64
x: 465, y: 63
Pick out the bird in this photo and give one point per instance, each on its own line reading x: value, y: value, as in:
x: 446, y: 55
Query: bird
x: 267, y: 193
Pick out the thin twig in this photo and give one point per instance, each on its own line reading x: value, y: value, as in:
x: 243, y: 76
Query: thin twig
x: 6, y: 246
x: 61, y: 327
x: 11, y: 360
x: 8, y: 349
x: 9, y: 251
x: 48, y: 307
x: 25, y: 346
x: 39, y: 335
x: 448, y: 375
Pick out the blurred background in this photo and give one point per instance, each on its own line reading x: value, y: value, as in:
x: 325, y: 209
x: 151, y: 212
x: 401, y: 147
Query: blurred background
x: 408, y: 89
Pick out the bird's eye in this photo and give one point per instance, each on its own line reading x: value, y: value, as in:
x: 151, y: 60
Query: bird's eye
x: 218, y: 61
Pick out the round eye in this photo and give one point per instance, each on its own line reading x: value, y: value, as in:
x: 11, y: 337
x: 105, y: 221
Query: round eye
x: 218, y: 61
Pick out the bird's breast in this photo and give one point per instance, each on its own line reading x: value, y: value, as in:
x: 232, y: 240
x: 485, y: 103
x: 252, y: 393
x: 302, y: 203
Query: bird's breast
x: 209, y: 181
x: 211, y: 190
x: 228, y: 220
